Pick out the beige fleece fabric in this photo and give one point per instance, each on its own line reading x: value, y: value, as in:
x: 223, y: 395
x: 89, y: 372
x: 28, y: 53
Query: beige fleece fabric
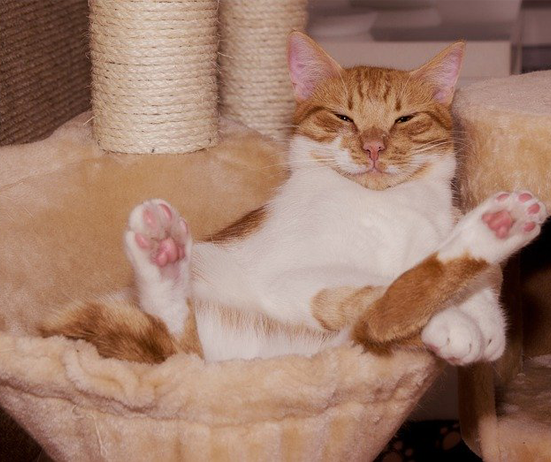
x: 64, y: 205
x: 504, y: 136
x: 524, y: 409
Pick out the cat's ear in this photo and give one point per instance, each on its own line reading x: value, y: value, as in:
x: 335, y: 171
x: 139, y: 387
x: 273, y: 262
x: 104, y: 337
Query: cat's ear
x: 442, y: 71
x: 308, y: 64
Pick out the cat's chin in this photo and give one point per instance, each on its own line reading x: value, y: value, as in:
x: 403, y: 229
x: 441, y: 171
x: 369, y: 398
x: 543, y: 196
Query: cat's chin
x: 374, y: 179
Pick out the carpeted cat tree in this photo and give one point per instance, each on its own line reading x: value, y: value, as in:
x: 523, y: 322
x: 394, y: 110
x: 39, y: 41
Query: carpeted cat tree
x: 504, y: 135
x: 64, y: 203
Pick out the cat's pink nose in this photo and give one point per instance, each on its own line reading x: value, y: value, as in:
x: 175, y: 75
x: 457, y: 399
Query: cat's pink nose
x: 373, y: 148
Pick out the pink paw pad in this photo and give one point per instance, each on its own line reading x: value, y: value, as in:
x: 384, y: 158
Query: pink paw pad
x: 166, y: 211
x: 162, y: 233
x: 142, y: 241
x: 499, y: 222
x: 534, y: 208
x: 149, y: 219
x: 519, y: 211
x: 529, y: 226
x: 167, y: 252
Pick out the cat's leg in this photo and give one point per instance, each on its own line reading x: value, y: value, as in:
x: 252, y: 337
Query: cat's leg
x: 475, y: 330
x: 158, y: 244
x: 484, y: 237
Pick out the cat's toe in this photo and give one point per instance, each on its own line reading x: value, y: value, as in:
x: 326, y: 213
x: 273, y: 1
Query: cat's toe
x: 495, y: 349
x: 152, y: 218
x: 531, y: 212
x: 495, y: 342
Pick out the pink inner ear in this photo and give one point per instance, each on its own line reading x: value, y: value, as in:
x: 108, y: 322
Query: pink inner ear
x: 442, y: 73
x: 308, y: 65
x: 446, y: 78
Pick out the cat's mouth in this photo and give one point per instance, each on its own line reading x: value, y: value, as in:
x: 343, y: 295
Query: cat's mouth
x: 374, y: 169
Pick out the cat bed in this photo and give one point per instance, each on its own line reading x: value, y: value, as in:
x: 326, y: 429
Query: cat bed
x: 65, y: 204
x: 504, y: 128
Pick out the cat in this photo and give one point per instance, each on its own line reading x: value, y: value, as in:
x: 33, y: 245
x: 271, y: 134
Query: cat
x: 362, y: 243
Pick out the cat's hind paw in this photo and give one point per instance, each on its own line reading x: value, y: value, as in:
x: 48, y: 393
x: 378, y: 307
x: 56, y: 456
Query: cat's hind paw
x: 157, y: 239
x: 497, y: 228
x: 517, y: 213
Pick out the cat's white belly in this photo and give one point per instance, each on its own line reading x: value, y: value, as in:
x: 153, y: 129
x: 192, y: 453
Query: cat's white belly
x: 222, y: 342
x: 382, y: 242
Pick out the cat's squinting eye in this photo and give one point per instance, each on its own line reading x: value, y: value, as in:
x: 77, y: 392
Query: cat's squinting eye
x: 345, y: 118
x: 401, y: 120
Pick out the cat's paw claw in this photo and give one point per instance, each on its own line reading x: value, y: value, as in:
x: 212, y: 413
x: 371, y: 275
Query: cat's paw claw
x: 157, y: 234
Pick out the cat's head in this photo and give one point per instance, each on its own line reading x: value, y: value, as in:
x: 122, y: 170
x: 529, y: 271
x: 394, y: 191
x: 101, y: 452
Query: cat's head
x: 378, y: 127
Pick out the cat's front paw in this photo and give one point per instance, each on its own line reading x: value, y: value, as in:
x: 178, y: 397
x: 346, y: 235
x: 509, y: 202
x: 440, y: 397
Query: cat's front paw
x: 157, y: 240
x: 498, y: 227
x: 454, y: 336
x: 459, y: 339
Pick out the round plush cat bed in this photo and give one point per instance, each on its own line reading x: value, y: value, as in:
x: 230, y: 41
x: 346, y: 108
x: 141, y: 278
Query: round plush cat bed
x: 65, y: 203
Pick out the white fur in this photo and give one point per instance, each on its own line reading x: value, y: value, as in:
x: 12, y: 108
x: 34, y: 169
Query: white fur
x: 161, y: 296
x: 325, y: 231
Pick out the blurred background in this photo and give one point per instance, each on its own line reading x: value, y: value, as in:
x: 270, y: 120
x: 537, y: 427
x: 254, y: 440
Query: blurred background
x: 503, y: 36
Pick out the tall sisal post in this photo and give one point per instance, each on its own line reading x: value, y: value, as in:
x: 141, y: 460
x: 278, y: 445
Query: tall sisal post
x: 154, y: 86
x: 254, y: 82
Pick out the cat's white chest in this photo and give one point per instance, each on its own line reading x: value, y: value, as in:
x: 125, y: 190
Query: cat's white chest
x: 345, y: 225
x: 382, y: 238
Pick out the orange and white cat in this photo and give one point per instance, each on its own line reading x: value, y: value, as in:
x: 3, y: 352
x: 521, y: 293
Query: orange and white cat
x: 361, y: 243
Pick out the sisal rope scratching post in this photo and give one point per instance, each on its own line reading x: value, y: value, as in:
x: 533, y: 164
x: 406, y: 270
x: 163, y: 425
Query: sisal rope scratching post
x: 254, y: 82
x: 154, y: 75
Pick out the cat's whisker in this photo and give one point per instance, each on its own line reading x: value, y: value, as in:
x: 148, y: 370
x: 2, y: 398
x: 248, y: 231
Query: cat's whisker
x: 437, y: 141
x: 464, y: 145
x: 322, y: 166
x: 290, y: 162
x: 431, y: 146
